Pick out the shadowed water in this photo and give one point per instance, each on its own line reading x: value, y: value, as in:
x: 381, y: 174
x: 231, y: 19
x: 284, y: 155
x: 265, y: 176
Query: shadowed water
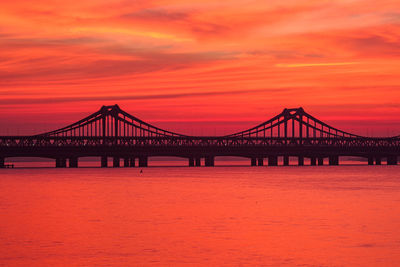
x: 221, y: 216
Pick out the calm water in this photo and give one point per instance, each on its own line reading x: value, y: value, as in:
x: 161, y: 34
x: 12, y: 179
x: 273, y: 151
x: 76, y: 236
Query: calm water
x: 222, y: 216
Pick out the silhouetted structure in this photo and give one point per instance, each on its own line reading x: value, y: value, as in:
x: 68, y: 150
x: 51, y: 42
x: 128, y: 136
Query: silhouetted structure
x: 111, y: 132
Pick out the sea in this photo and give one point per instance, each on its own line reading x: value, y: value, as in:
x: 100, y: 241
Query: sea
x: 228, y: 215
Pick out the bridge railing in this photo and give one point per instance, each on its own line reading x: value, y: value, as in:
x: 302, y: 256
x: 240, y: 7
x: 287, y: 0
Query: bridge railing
x: 68, y: 141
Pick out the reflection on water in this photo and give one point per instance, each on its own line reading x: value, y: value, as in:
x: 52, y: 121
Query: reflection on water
x: 223, y: 216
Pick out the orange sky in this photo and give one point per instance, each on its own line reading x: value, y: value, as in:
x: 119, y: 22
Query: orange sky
x: 200, y: 67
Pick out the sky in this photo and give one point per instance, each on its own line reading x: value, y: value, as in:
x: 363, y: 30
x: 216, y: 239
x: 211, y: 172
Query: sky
x: 200, y: 67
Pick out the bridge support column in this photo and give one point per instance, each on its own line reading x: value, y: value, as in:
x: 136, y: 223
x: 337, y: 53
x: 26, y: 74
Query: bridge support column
x: 191, y: 162
x: 285, y: 160
x: 126, y: 162
x: 313, y: 161
x: 73, y: 162
x: 260, y: 162
x: 143, y: 161
x: 209, y: 161
x: 104, y: 161
x: 116, y: 162
x: 253, y: 162
x: 333, y: 160
x: 2, y: 165
x: 392, y: 160
x: 131, y: 162
x: 301, y: 160
x: 61, y: 162
x: 370, y: 160
x: 198, y: 162
x: 320, y: 161
x: 378, y: 161
x: 272, y: 161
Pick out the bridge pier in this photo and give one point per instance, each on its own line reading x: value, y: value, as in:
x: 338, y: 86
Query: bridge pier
x: 198, y: 162
x: 126, y: 163
x: 285, y: 160
x: 61, y: 162
x: 2, y: 160
x: 131, y: 162
x: 253, y: 162
x: 313, y: 161
x: 191, y: 162
x: 104, y: 161
x: 370, y: 160
x: 272, y: 161
x: 260, y: 161
x: 116, y: 162
x: 333, y: 160
x: 143, y: 161
x: 73, y: 162
x: 320, y: 161
x: 392, y: 160
x: 301, y: 160
x: 209, y: 161
x: 378, y: 160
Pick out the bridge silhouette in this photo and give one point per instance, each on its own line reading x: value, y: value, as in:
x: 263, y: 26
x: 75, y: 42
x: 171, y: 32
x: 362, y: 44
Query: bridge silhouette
x: 112, y: 132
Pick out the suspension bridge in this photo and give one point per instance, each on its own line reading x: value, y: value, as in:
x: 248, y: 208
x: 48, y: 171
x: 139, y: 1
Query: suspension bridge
x: 114, y: 133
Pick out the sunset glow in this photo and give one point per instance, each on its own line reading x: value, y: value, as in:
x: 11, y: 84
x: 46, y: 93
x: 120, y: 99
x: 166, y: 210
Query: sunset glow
x: 200, y: 67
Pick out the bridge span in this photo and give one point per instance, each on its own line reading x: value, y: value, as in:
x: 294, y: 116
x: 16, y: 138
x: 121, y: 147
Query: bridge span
x: 112, y: 132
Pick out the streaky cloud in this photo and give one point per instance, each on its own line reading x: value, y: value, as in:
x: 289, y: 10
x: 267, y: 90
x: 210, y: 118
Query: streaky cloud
x: 299, y: 65
x: 63, y: 99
